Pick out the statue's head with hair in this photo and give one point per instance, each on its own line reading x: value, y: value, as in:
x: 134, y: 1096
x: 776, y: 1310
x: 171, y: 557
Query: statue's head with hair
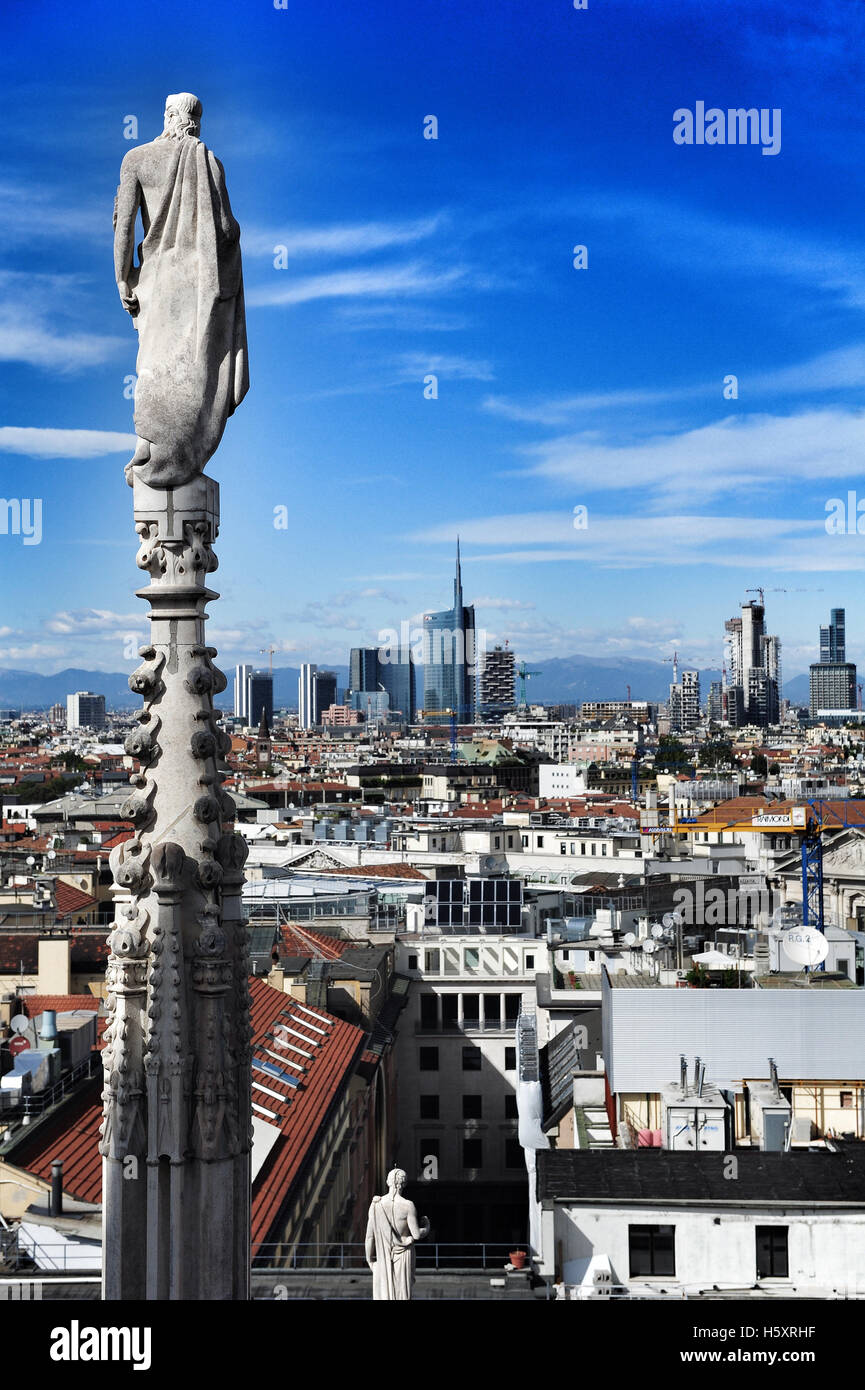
x: 182, y: 116
x: 396, y: 1180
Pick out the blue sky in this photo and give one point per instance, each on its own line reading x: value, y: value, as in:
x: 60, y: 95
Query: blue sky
x: 557, y: 387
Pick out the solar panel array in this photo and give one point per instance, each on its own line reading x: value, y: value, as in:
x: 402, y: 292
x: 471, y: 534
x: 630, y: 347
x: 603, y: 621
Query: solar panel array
x: 281, y: 1061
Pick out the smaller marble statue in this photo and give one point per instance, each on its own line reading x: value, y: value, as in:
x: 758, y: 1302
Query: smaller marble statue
x: 391, y: 1232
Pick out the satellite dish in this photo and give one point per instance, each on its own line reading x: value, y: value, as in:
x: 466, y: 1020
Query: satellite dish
x: 19, y: 1024
x: 788, y: 915
x: 630, y: 938
x: 805, y: 945
x: 671, y: 920
x: 650, y: 946
x: 657, y: 931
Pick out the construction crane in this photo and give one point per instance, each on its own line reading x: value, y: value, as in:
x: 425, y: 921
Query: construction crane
x: 268, y: 651
x: 761, y: 592
x: 451, y: 715
x: 524, y: 674
x: 675, y: 660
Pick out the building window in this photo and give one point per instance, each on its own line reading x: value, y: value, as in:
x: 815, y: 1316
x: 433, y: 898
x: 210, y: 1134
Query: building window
x: 511, y: 1112
x: 429, y: 1059
x: 540, y: 842
x: 433, y: 963
x: 530, y: 962
x: 514, y: 1154
x: 429, y: 1107
x: 471, y: 1059
x: 472, y: 958
x: 651, y: 1251
x: 510, y: 1059
x: 563, y: 849
x: 772, y: 1252
x: 429, y: 1011
x: 497, y: 842
x: 525, y: 840
x: 473, y: 1153
x: 412, y: 962
x: 510, y: 842
x: 582, y: 847
x: 472, y: 1107
x: 846, y: 1100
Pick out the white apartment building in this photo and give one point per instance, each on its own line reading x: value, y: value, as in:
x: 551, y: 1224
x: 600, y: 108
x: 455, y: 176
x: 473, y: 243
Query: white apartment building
x: 85, y: 710
x: 456, y: 1058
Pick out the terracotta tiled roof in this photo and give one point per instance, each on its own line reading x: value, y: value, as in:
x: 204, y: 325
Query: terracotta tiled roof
x: 377, y: 871
x: 302, y: 941
x: 118, y: 839
x: 335, y: 1049
x: 70, y: 900
x: 71, y: 1135
x: 35, y: 1004
x: 328, y: 1051
x: 17, y: 948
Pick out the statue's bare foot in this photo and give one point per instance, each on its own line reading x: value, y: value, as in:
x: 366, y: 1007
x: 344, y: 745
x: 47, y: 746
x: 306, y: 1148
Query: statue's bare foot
x: 141, y: 455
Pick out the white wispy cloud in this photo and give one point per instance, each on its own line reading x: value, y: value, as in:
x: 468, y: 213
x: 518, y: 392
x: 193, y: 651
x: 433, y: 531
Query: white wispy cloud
x: 346, y: 239
x: 40, y: 322
x: 754, y: 543
x: 93, y: 621
x: 59, y: 443
x: 739, y: 453
x: 411, y: 279
x: 839, y: 370
x: 486, y: 602
x: 412, y: 366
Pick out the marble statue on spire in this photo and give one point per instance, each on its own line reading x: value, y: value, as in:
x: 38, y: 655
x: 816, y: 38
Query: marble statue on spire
x: 185, y: 297
x: 392, y: 1229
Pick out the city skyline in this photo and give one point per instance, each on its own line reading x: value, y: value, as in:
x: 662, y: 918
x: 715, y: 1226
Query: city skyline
x: 558, y: 388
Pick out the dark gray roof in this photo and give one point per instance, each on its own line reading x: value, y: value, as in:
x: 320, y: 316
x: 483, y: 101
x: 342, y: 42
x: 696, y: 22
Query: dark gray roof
x: 633, y: 1176
x: 559, y: 1059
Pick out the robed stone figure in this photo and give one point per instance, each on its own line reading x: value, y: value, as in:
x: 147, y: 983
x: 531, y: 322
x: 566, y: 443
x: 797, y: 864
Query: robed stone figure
x: 391, y: 1232
x: 185, y: 296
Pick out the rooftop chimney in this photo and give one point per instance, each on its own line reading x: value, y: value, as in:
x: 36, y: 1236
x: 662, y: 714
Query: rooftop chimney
x: 57, y: 1187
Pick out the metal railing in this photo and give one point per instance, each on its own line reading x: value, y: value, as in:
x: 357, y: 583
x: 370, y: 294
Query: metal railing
x: 14, y: 1105
x: 351, y: 1255
x: 469, y: 1025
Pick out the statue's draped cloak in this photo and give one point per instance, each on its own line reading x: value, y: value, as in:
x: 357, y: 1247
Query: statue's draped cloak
x: 393, y: 1271
x: 192, y: 360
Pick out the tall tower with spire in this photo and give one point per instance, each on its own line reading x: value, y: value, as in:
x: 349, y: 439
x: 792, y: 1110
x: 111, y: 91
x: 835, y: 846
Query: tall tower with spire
x: 451, y: 659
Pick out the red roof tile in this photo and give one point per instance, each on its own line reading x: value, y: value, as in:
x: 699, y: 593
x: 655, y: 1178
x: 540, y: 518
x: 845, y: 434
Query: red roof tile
x: 302, y: 941
x: 70, y: 900
x: 34, y: 1004
x: 333, y: 1049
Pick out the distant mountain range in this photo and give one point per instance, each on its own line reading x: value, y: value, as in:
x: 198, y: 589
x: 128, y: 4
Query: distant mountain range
x: 562, y: 680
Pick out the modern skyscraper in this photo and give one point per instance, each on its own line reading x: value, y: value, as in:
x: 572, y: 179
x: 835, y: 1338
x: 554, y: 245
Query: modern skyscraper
x: 753, y: 691
x: 833, y: 639
x: 306, y: 695
x: 451, y: 659
x: 833, y: 686
x: 85, y: 710
x: 496, y: 684
x: 241, y: 693
x: 259, y: 697
x: 363, y: 669
x: 690, y: 716
x: 316, y: 692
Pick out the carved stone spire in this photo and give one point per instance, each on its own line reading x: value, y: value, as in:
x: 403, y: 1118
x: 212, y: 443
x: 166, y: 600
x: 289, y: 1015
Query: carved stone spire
x: 176, y: 1135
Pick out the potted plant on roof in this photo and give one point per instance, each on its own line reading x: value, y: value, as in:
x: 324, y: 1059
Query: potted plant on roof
x: 518, y: 1259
